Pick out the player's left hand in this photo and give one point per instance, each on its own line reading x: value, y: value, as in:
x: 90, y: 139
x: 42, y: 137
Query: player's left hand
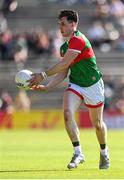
x: 35, y: 80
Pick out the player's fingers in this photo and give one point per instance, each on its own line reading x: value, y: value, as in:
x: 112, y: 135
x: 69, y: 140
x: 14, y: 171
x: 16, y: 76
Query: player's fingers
x: 33, y: 84
x: 37, y: 87
x: 33, y: 88
x: 30, y: 80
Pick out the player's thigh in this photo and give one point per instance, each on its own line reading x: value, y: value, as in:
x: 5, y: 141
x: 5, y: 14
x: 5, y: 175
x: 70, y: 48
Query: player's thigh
x: 71, y: 101
x: 96, y: 114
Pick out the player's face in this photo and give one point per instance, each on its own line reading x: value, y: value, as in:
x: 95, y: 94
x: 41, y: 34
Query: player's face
x: 66, y: 28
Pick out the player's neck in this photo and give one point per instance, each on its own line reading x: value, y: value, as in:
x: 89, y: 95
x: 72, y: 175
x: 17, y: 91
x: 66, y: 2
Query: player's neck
x: 71, y: 34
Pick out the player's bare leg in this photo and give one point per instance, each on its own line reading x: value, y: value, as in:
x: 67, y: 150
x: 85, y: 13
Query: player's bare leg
x: 71, y: 103
x: 96, y: 116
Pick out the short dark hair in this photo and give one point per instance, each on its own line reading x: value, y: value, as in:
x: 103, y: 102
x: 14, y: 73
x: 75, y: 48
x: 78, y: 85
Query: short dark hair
x: 72, y: 16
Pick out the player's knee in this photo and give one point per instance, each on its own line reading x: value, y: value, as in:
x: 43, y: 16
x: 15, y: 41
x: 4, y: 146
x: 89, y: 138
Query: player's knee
x: 67, y: 114
x: 98, y: 124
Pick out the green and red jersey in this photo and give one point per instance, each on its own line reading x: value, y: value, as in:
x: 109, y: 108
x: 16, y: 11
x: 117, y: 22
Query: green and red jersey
x: 83, y: 70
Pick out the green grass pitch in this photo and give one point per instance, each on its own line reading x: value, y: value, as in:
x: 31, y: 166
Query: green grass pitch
x: 44, y: 154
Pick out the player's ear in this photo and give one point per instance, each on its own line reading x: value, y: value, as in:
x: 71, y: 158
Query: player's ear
x: 74, y: 24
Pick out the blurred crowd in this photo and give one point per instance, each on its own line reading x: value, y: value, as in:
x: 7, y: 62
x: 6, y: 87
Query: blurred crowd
x: 107, y: 25
x: 106, y: 32
x: 20, y: 47
x: 9, y: 104
x: 114, y: 93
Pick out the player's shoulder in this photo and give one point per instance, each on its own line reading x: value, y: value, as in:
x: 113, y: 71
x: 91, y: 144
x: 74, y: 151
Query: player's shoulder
x: 77, y: 36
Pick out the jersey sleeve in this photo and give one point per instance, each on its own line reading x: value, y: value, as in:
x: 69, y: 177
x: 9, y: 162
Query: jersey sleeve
x: 76, y: 44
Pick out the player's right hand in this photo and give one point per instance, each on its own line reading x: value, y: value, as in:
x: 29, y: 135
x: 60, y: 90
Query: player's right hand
x: 38, y: 88
x: 35, y: 80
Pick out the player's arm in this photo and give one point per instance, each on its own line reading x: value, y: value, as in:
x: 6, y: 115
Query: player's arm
x: 63, y: 64
x: 59, y: 67
x: 75, y: 46
x: 58, y: 78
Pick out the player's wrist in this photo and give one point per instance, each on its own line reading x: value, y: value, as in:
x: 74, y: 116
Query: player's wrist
x: 44, y: 75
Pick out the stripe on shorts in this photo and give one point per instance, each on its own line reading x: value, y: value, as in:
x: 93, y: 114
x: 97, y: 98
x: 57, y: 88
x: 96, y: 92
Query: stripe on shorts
x: 95, y: 106
x: 75, y: 92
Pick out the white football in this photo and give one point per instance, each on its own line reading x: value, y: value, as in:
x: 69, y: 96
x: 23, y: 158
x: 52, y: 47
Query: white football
x: 21, y: 78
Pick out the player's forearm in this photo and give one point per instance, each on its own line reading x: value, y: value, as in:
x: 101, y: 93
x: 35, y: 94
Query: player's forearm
x: 57, y: 79
x: 63, y: 64
x: 59, y: 67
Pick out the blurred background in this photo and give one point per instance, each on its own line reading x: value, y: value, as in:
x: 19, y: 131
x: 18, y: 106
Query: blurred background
x: 29, y: 39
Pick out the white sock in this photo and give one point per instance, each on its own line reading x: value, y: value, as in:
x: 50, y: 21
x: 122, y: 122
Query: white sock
x: 104, y: 151
x: 77, y: 150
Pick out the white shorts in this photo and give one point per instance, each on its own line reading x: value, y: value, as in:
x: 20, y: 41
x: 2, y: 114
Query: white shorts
x: 93, y: 96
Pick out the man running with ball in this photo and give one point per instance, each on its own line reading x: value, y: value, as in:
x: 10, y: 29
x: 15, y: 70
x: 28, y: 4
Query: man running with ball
x: 85, y: 84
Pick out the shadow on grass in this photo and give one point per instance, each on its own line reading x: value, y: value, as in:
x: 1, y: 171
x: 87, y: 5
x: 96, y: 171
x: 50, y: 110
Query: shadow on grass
x: 32, y: 170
